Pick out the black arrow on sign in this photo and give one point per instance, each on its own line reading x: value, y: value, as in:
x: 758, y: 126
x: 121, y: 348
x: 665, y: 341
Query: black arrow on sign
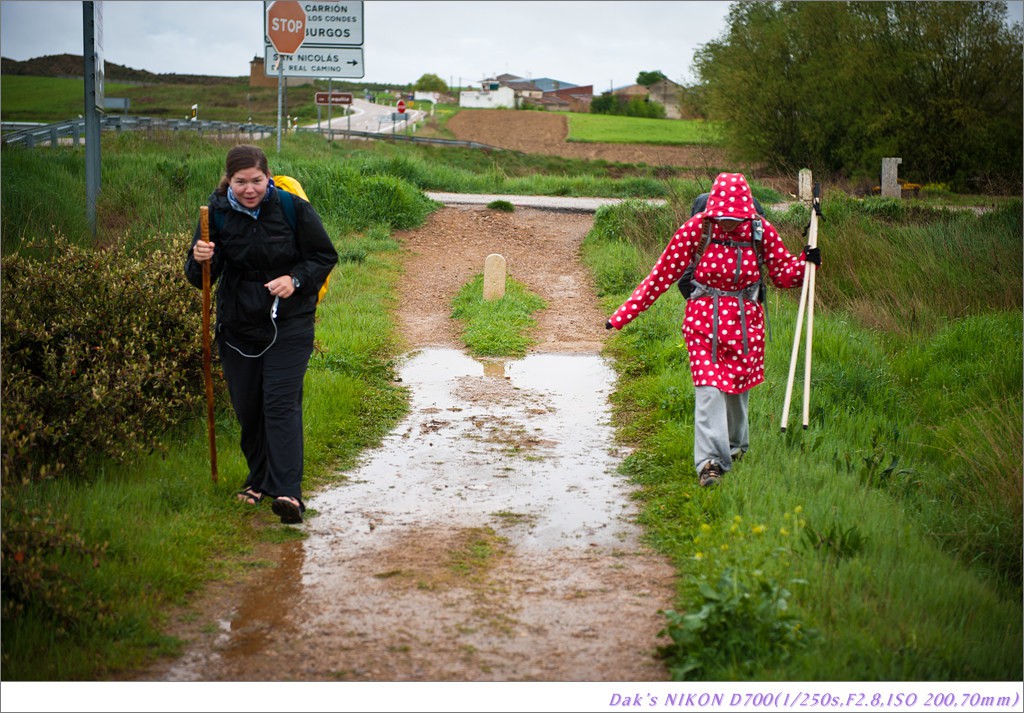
x: 352, y: 62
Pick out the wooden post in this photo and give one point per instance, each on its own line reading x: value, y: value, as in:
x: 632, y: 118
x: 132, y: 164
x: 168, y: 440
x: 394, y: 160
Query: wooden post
x: 204, y: 229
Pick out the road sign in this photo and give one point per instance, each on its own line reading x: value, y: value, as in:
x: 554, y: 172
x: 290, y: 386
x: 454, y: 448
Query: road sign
x: 339, y: 62
x: 333, y: 98
x: 401, y: 106
x: 334, y: 24
x: 286, y: 25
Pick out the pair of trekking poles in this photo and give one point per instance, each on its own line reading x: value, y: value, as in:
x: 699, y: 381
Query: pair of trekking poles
x: 806, y: 303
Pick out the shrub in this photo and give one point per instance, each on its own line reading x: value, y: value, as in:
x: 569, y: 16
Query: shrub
x: 102, y: 352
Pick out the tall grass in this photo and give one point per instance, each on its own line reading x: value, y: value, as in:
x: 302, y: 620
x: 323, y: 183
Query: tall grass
x: 892, y: 525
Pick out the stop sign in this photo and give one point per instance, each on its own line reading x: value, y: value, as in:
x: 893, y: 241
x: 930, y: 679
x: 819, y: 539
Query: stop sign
x: 400, y: 106
x: 286, y: 26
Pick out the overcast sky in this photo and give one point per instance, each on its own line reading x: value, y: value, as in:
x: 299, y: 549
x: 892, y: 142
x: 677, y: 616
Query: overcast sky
x: 600, y: 42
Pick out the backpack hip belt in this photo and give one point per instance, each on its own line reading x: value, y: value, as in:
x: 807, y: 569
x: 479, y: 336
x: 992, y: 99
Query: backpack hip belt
x: 748, y: 293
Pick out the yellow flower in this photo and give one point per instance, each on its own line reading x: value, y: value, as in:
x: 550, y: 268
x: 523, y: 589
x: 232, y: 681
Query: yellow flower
x: 737, y: 518
x: 759, y: 529
x: 704, y: 527
x: 734, y: 528
x: 798, y: 509
x: 783, y: 531
x: 724, y: 548
x: 698, y: 556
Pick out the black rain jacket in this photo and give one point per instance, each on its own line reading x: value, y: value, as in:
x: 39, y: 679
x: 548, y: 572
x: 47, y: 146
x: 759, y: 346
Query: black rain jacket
x: 249, y: 252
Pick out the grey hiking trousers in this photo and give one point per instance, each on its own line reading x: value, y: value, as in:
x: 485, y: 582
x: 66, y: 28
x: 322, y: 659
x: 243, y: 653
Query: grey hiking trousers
x: 720, y: 429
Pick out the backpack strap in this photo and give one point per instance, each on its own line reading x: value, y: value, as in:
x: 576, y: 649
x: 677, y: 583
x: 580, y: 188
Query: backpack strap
x: 288, y: 206
x: 686, y: 283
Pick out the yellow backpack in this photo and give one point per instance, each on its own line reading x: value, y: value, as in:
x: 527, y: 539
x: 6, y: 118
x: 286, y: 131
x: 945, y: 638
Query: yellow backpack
x: 292, y: 186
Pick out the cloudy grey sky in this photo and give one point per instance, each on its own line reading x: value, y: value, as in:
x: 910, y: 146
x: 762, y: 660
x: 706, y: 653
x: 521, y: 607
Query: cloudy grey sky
x: 603, y: 43
x: 600, y: 42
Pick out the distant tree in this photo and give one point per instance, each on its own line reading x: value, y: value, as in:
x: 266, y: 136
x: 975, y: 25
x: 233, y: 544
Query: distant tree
x: 837, y: 86
x: 609, y: 103
x: 430, y: 83
x: 646, y: 79
x: 604, y: 104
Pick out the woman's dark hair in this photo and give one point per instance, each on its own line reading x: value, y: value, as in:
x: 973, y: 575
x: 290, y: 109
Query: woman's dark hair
x: 240, y: 158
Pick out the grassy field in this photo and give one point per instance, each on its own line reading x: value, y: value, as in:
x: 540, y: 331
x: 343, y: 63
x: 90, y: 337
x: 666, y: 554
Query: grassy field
x: 891, y: 530
x: 631, y: 130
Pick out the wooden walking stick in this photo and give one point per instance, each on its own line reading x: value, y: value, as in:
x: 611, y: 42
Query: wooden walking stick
x: 204, y: 231
x: 805, y: 292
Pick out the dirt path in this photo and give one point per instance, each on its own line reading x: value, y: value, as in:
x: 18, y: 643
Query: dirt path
x: 489, y: 538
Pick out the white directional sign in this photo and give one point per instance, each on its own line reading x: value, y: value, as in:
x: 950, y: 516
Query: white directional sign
x: 344, y: 62
x: 333, y: 24
x: 332, y: 46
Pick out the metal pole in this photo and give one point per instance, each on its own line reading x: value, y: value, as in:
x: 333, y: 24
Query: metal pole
x: 93, y: 176
x: 812, y: 240
x: 330, y: 104
x: 280, y: 97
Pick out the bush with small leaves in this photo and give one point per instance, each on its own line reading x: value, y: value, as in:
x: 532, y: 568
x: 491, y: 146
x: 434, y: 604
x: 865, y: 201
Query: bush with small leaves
x: 102, y: 353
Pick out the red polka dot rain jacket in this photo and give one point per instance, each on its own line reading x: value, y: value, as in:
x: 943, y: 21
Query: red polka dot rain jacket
x: 733, y: 359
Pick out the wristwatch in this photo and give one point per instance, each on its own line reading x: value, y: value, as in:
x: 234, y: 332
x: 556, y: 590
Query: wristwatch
x: 296, y: 283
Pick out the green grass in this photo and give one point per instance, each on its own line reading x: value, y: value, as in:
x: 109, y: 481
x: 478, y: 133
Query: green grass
x: 893, y: 528
x: 499, y: 327
x: 603, y: 128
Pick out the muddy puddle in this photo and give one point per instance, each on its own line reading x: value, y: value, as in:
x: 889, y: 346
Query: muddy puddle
x: 524, y: 446
x: 513, y: 458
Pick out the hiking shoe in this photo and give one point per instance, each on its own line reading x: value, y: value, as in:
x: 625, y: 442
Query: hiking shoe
x: 710, y: 475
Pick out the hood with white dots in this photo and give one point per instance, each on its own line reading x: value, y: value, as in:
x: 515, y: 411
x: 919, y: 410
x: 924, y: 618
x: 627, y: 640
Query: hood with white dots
x: 730, y: 197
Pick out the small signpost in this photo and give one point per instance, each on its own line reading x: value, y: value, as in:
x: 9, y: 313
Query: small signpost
x: 332, y: 98
x: 401, y: 106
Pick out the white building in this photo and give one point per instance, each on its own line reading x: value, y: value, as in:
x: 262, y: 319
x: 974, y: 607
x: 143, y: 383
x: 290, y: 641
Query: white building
x: 502, y: 97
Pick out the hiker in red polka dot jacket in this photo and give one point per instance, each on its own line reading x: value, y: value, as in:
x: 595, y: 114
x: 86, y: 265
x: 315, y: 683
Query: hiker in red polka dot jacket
x: 724, y: 325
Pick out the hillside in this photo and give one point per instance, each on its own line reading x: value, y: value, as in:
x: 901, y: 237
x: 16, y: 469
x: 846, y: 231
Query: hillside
x: 71, y: 66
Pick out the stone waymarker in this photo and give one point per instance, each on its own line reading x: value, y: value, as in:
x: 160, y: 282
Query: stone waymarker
x: 494, y: 277
x: 805, y: 191
x: 890, y: 185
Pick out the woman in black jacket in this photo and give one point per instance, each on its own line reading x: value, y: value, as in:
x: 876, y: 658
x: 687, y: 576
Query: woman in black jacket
x: 269, y: 264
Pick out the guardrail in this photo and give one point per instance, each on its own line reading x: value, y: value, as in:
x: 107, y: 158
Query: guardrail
x: 73, y: 131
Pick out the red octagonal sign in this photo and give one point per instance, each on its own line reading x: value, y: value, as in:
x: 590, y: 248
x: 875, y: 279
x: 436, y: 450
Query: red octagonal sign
x: 286, y: 26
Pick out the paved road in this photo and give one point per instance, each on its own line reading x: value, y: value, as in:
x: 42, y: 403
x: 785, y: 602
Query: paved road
x: 374, y: 118
x: 560, y: 203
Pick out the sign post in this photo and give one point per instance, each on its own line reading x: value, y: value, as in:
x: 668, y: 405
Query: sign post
x: 92, y: 39
x: 286, y: 30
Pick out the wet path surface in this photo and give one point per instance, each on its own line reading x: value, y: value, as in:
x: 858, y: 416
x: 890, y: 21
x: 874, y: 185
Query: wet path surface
x: 519, y: 445
x: 489, y: 537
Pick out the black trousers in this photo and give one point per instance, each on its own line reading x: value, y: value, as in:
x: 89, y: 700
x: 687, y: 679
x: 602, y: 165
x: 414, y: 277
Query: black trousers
x: 266, y: 392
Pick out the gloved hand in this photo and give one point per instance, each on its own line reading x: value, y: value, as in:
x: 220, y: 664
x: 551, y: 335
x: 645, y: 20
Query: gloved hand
x: 608, y: 324
x: 813, y: 254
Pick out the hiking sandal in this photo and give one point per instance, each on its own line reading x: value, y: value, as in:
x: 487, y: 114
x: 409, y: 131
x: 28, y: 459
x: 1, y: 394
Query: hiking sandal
x: 288, y: 509
x: 249, y: 496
